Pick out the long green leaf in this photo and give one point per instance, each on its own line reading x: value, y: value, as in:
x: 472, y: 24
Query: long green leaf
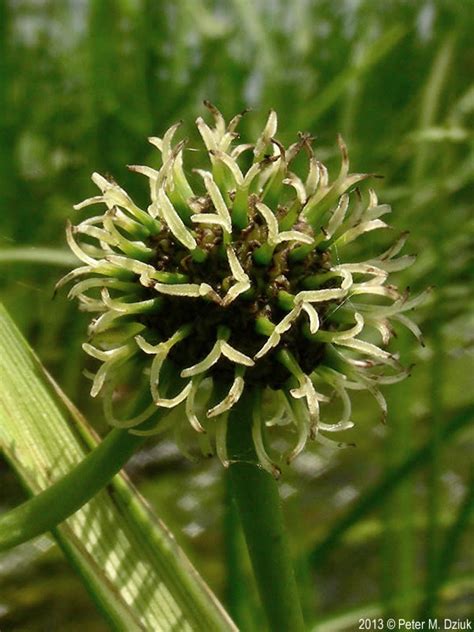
x: 129, y: 561
x: 44, y: 256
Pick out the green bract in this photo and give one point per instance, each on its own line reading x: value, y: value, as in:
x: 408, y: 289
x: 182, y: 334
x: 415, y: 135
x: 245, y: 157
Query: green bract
x: 239, y: 274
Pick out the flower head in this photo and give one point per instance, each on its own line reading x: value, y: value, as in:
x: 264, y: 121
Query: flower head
x: 238, y: 275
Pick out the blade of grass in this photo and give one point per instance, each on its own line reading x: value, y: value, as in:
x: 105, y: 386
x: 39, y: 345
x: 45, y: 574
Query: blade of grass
x: 128, y: 560
x: 398, y: 551
x: 431, y: 99
x: 349, y: 75
x: 449, y: 550
x: 44, y: 256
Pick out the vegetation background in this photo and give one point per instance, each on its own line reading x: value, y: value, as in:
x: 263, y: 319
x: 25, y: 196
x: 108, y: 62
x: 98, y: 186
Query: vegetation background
x: 82, y: 84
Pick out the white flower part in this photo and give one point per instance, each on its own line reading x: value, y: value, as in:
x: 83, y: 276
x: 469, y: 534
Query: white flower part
x: 360, y: 229
x: 132, y: 248
x: 99, y: 354
x: 295, y: 235
x: 271, y: 221
x: 313, y: 317
x: 76, y: 249
x: 242, y: 278
x: 337, y: 382
x: 207, y: 135
x: 136, y: 307
x: 268, y: 132
x: 347, y: 334
x: 257, y: 436
x: 392, y: 379
x: 395, y: 265
x: 338, y: 216
x: 190, y: 405
x: 312, y: 180
x: 205, y: 364
x: 161, y: 352
x: 344, y: 170
x: 90, y: 227
x: 111, y: 357
x: 394, y: 248
x: 192, y: 290
x: 378, y: 290
x: 174, y: 401
x: 323, y: 177
x: 123, y: 423
x: 300, y: 418
x: 232, y: 396
x: 221, y: 347
x: 132, y: 265
x: 96, y: 199
x: 369, y: 349
x: 235, y: 356
x: 210, y: 218
x: 219, y: 121
x: 386, y: 260
x: 167, y: 149
x: 239, y: 149
x: 149, y: 172
x: 379, y: 275
x: 179, y: 289
x: 306, y: 390
x: 221, y: 440
x: 298, y: 186
x: 231, y: 164
x: 93, y: 282
x: 382, y: 326
x: 131, y: 226
x: 163, y: 180
x: 174, y: 221
x: 251, y: 175
x: 104, y: 322
x: 377, y: 211
x: 399, y: 306
x: 274, y: 237
x: 367, y: 384
x: 112, y: 193
x: 217, y: 199
x: 88, y: 304
x: 337, y: 427
x: 283, y: 326
x: 156, y: 142
x: 410, y: 325
x: 319, y: 296
x: 101, y: 267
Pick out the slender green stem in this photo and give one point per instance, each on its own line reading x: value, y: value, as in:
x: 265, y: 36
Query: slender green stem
x: 258, y: 503
x: 49, y: 508
x: 449, y: 551
x: 237, y: 602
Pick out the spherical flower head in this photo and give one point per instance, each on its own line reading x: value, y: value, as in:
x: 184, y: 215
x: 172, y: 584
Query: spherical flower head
x: 239, y: 276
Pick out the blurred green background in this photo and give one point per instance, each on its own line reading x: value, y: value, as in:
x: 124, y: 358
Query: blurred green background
x: 82, y: 84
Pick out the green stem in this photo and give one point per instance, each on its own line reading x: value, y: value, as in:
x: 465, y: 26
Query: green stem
x: 258, y: 503
x: 49, y: 508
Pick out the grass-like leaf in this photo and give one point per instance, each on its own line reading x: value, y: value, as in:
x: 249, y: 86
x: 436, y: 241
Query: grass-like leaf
x: 127, y: 558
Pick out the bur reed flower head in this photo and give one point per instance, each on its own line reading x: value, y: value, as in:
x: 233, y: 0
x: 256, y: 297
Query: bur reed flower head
x: 239, y: 276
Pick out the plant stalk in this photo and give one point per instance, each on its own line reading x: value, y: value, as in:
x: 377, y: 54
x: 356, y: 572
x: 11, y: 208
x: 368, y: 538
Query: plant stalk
x: 256, y: 495
x: 46, y: 510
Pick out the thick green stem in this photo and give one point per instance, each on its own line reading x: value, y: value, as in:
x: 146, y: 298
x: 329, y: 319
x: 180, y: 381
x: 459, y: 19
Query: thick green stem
x: 49, y: 508
x: 258, y: 503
